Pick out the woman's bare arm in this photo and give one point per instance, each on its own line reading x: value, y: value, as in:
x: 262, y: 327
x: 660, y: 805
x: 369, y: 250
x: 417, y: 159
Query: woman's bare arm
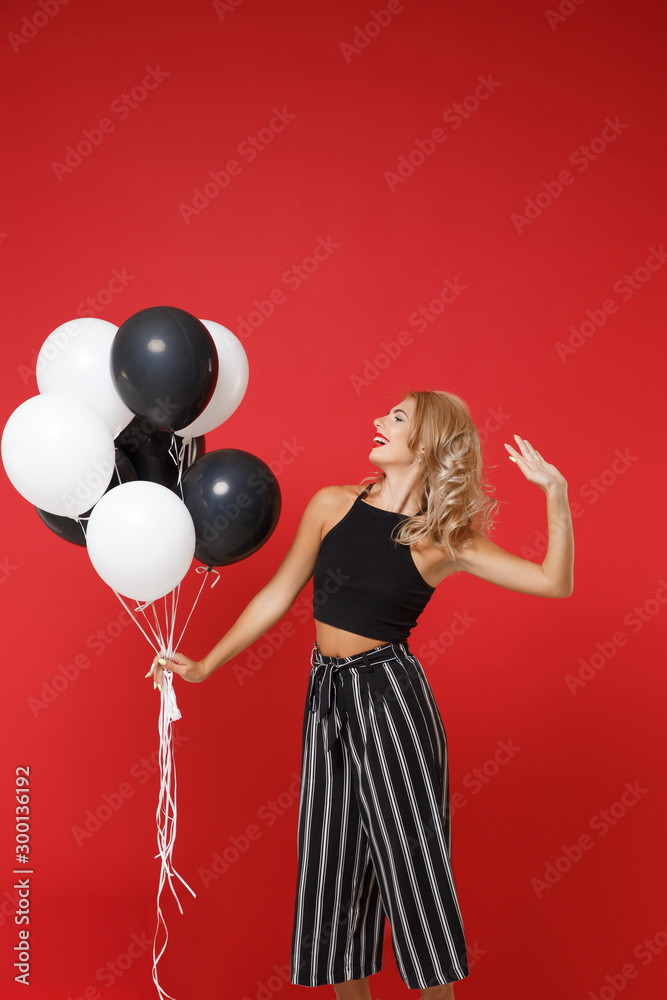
x: 270, y: 604
x: 554, y: 577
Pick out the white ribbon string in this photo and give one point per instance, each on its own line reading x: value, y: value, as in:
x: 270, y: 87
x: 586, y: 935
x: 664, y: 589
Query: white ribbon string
x: 157, y: 631
x: 177, y: 453
x: 136, y: 622
x: 162, y: 642
x: 185, y: 453
x: 166, y: 816
x: 191, y: 610
x: 209, y: 569
x: 175, y: 594
x: 157, y: 635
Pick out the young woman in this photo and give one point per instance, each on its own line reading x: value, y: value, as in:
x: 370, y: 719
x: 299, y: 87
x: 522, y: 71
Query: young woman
x: 374, y: 832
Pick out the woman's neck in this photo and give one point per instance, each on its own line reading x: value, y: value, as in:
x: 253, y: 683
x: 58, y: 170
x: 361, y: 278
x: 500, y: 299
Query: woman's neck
x: 398, y: 493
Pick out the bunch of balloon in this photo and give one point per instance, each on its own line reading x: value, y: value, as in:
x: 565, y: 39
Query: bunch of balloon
x: 112, y: 454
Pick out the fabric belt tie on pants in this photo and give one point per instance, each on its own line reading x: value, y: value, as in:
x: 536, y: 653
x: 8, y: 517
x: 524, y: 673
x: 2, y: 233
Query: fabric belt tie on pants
x: 323, y: 696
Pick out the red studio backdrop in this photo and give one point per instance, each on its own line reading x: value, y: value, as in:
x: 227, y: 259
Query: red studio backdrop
x: 420, y: 194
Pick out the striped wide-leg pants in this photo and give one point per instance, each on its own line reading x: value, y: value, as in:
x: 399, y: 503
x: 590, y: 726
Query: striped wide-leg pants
x: 374, y: 832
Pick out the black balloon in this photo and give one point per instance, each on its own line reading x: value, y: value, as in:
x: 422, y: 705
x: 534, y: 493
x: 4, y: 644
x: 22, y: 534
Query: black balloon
x: 72, y: 530
x: 164, y: 364
x: 65, y: 527
x: 235, y: 502
x: 153, y: 452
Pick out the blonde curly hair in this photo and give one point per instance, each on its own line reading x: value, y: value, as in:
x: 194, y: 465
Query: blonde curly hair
x: 452, y: 486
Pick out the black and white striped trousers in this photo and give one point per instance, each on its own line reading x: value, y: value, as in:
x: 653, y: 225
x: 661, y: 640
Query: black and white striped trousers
x: 374, y: 833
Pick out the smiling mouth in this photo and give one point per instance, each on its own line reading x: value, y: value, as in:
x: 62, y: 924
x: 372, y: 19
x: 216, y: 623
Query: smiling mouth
x: 379, y: 441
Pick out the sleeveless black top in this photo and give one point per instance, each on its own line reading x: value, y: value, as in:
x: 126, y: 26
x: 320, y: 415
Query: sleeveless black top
x: 363, y: 581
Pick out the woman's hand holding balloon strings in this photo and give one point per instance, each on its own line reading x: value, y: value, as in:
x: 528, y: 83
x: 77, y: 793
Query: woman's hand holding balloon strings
x: 189, y: 670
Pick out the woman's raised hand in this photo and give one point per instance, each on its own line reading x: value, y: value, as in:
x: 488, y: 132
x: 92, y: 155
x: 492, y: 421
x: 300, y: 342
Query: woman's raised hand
x: 533, y: 466
x: 189, y: 670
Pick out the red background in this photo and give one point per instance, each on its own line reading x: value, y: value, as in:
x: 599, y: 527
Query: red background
x: 525, y: 285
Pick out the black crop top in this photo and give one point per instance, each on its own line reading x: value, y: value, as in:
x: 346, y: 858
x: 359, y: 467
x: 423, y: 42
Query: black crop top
x: 363, y: 581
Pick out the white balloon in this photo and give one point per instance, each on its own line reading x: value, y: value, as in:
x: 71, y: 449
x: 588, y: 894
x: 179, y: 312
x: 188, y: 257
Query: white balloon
x: 230, y: 387
x: 75, y: 358
x: 58, y: 453
x: 141, y: 540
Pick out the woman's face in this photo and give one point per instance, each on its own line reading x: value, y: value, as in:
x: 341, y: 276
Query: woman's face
x: 390, y: 445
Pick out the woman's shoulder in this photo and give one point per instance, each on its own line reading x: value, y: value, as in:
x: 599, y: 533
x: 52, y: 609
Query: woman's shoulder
x: 332, y: 496
x: 330, y: 503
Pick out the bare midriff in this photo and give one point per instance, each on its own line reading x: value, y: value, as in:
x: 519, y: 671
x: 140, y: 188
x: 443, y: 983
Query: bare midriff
x: 333, y: 641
